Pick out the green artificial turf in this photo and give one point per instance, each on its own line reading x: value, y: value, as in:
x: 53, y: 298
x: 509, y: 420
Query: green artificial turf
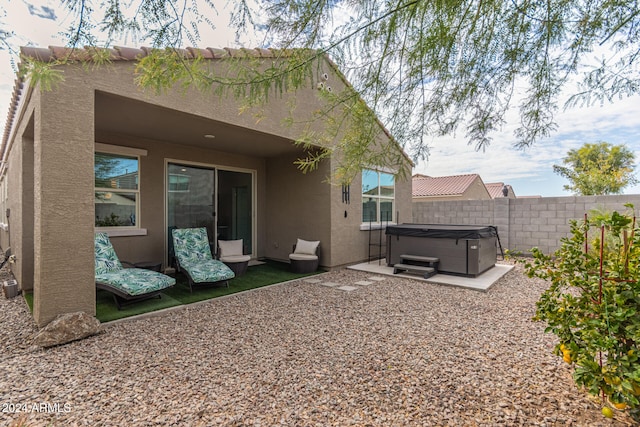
x: 106, y: 309
x: 256, y: 277
x: 28, y: 297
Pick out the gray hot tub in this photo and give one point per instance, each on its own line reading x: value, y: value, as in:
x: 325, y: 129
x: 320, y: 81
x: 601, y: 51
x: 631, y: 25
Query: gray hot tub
x: 467, y: 250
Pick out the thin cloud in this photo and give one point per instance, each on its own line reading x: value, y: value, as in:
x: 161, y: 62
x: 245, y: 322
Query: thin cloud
x: 40, y: 11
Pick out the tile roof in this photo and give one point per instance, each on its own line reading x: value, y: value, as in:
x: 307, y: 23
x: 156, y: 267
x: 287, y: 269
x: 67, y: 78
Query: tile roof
x: 428, y: 186
x: 120, y: 53
x: 495, y: 189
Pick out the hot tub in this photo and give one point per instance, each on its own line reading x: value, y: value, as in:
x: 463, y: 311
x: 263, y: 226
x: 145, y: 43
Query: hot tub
x: 467, y: 250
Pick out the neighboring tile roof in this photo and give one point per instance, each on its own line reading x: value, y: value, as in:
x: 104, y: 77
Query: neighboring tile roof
x: 495, y: 189
x: 428, y: 186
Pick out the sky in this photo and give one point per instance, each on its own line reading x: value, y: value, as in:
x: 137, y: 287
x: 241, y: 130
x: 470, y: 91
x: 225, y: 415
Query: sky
x: 529, y: 172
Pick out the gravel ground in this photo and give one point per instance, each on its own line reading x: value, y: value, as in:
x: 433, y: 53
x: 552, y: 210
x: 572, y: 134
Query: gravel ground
x: 397, y: 352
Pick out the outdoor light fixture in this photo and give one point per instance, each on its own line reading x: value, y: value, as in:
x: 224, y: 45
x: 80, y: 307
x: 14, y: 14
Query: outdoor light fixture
x: 322, y: 83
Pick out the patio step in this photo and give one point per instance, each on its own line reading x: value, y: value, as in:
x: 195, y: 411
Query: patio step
x: 425, y: 271
x: 429, y: 260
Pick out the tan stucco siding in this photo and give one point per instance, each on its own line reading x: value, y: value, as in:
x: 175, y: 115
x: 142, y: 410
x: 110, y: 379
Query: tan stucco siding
x: 298, y: 206
x: 118, y: 79
x: 20, y: 203
x: 350, y: 237
x: 51, y: 172
x: 63, y: 205
x: 152, y: 192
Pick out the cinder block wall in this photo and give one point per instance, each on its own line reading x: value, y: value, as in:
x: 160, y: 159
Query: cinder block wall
x: 522, y: 223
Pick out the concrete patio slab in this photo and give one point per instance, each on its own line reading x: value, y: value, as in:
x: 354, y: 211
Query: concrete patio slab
x: 480, y: 283
x: 363, y: 283
x: 347, y: 288
x: 330, y: 284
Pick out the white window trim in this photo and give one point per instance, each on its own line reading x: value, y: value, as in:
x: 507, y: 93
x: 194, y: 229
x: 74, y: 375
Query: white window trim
x: 377, y: 225
x: 100, y: 147
x: 122, y: 232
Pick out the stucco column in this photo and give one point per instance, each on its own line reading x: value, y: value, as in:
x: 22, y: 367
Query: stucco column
x: 63, y: 201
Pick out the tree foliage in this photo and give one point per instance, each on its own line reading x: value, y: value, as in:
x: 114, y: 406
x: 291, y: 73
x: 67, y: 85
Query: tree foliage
x: 592, y: 305
x: 426, y: 68
x: 598, y: 169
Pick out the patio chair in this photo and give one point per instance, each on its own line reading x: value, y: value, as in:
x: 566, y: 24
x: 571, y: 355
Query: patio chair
x: 193, y: 258
x: 305, y: 258
x: 127, y: 285
x: 231, y: 252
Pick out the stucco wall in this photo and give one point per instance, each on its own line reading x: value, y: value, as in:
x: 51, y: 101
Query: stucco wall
x: 351, y: 237
x: 152, y: 247
x: 57, y: 161
x: 297, y: 207
x: 63, y: 201
x: 522, y: 223
x: 20, y: 202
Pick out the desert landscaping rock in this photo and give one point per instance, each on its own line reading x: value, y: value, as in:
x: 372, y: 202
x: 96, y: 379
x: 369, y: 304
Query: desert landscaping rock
x: 397, y: 352
x: 67, y: 328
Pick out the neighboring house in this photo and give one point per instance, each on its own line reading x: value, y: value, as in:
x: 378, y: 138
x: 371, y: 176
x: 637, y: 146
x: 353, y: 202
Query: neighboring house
x: 456, y: 187
x: 97, y: 143
x: 499, y: 190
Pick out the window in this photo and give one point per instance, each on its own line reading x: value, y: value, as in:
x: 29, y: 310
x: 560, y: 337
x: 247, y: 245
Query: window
x: 179, y: 183
x: 378, y: 192
x: 117, y: 186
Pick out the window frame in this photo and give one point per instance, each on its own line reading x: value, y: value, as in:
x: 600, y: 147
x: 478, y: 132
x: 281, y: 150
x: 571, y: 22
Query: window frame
x: 138, y: 153
x: 378, y: 198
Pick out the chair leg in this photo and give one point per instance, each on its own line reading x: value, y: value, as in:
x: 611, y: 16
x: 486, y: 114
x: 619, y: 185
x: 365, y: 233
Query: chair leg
x: 117, y: 301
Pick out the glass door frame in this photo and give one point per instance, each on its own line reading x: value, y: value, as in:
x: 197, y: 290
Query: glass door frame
x: 215, y: 168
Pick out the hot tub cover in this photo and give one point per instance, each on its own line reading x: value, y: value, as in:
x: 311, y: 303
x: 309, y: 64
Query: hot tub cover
x: 441, y: 231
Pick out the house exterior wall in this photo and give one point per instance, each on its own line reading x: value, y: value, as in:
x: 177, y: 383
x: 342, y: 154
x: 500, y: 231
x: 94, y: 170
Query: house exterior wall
x: 63, y: 201
x: 55, y: 158
x: 19, y: 235
x: 152, y: 246
x: 297, y: 207
x: 522, y: 223
x: 352, y: 239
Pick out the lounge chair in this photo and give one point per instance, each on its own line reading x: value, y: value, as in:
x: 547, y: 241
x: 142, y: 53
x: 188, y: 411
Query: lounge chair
x: 231, y: 252
x: 126, y: 284
x: 304, y: 258
x: 193, y: 258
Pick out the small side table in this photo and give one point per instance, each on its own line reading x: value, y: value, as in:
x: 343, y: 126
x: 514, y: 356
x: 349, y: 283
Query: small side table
x: 149, y: 265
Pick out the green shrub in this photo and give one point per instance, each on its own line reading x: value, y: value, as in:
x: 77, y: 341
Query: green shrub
x: 593, y: 305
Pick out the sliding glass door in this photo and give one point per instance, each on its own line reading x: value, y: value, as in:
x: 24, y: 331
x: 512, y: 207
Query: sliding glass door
x: 219, y: 200
x: 190, y: 201
x: 235, y: 207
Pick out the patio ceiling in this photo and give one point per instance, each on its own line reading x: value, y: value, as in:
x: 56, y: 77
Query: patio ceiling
x: 122, y: 116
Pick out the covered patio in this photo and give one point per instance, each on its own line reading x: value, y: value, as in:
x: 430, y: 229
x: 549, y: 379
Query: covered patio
x: 97, y: 153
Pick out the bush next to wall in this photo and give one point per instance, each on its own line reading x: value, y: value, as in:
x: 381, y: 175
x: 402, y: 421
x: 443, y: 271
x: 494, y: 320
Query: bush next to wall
x: 593, y: 306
